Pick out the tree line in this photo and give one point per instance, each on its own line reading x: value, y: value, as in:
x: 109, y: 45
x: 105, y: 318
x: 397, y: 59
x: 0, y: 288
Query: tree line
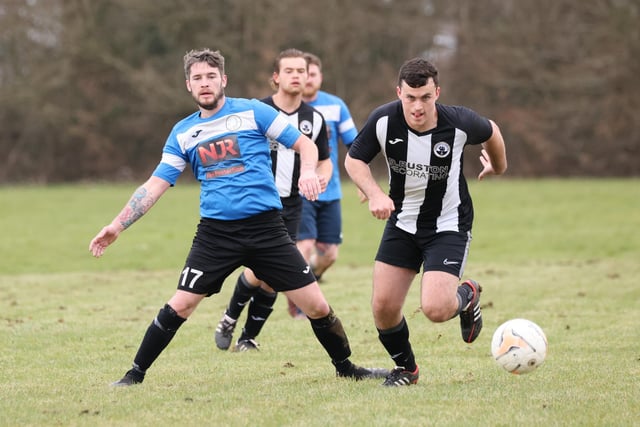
x: 89, y: 89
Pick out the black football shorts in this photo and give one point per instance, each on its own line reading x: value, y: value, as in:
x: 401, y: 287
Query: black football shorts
x: 261, y: 243
x: 444, y: 251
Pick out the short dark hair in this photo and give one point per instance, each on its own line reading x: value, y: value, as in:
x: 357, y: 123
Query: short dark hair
x: 211, y: 57
x: 416, y: 72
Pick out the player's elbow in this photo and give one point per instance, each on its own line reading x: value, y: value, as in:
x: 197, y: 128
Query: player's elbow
x: 350, y: 164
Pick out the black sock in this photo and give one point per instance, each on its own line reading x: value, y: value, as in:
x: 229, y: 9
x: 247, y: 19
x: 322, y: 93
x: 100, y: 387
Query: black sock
x: 242, y: 293
x: 159, y: 334
x: 343, y: 366
x: 333, y: 338
x: 259, y: 311
x: 464, y: 295
x: 136, y: 373
x: 396, y: 341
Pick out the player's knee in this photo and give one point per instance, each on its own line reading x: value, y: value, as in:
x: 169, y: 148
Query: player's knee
x: 384, y: 310
x: 316, y: 309
x: 324, y: 321
x: 327, y: 252
x: 436, y: 313
x: 330, y: 257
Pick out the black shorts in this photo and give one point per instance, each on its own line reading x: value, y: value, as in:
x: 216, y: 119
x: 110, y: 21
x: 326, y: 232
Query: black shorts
x: 291, y: 214
x: 261, y: 243
x: 445, y: 251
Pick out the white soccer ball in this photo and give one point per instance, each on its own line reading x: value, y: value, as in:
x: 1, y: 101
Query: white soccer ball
x: 519, y: 346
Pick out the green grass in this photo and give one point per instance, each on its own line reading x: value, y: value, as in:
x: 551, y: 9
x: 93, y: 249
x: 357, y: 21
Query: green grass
x: 564, y: 253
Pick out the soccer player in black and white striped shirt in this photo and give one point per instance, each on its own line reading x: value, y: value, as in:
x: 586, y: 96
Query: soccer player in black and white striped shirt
x: 429, y: 211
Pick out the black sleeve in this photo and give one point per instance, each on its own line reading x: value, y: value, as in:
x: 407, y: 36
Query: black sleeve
x: 477, y: 127
x: 366, y: 146
x: 322, y: 141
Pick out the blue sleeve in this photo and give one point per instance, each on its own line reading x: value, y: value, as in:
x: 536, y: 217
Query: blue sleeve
x: 167, y: 172
x: 173, y: 160
x: 348, y: 130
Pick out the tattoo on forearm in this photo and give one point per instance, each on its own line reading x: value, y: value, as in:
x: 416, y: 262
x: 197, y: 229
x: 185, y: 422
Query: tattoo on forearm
x: 141, y: 201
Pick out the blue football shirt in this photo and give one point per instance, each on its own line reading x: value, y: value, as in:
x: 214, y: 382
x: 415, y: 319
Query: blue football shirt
x: 229, y: 154
x: 340, y: 125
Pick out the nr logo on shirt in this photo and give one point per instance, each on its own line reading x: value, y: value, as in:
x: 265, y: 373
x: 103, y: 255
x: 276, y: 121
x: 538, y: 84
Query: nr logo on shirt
x: 212, y: 152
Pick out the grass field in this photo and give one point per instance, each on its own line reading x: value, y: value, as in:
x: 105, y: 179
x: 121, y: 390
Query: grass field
x: 563, y: 253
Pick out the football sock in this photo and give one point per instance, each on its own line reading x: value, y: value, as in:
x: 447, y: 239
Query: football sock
x: 260, y: 309
x: 396, y: 341
x: 241, y: 296
x: 332, y: 336
x: 159, y: 334
x: 343, y: 366
x: 464, y: 295
x: 136, y: 373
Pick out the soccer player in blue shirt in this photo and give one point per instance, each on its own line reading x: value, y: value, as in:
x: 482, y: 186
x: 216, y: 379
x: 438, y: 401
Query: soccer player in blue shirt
x: 226, y: 145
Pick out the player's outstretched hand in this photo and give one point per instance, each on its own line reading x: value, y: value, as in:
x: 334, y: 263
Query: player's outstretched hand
x: 104, y: 238
x: 487, y: 166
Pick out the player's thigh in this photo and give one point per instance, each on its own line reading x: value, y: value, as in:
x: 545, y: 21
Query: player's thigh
x: 281, y: 266
x: 438, y: 291
x: 391, y: 284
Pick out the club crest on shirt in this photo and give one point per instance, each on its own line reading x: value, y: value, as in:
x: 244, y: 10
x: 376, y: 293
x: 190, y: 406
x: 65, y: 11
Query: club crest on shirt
x: 305, y: 127
x: 233, y: 122
x: 441, y: 149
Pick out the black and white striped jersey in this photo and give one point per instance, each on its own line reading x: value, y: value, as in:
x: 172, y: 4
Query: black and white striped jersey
x: 426, y: 182
x: 285, y: 162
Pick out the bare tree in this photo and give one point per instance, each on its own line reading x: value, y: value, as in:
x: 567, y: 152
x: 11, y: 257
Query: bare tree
x: 90, y: 89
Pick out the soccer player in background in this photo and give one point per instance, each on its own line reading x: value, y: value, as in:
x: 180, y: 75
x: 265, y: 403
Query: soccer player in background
x: 320, y: 232
x: 289, y: 76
